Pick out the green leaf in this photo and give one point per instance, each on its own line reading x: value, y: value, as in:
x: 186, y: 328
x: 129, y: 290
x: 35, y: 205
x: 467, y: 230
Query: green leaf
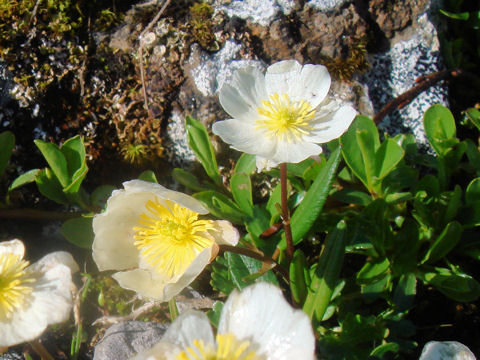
x: 405, y: 291
x: 79, y: 231
x: 56, y: 160
x: 7, y: 142
x: 241, y: 187
x: 351, y: 151
x: 247, y: 164
x: 350, y: 196
x: 234, y: 271
x: 148, y: 175
x: 214, y: 313
x: 24, y: 179
x: 325, y: 278
x: 459, y: 287
x: 440, y: 128
x: 199, y: 141
x: 299, y: 277
x: 221, y: 206
x: 74, y: 152
x: 99, y: 196
x: 454, y: 204
x: 189, y: 180
x: 474, y: 116
x: 383, y: 349
x: 49, y: 186
x: 365, y: 143
x: 387, y: 157
x: 373, y: 271
x: 444, y: 243
x: 457, y: 16
x: 472, y: 194
x: 311, y: 206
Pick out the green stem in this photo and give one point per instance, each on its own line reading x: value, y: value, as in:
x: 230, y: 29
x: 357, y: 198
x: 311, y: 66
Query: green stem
x: 172, y: 308
x: 285, y: 212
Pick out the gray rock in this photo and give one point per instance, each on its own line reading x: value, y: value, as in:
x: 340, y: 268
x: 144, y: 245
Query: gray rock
x: 11, y: 355
x: 5, y: 84
x: 394, y: 72
x: 261, y: 12
x: 446, y: 350
x: 176, y: 146
x: 212, y: 70
x: 123, y: 340
x: 326, y: 5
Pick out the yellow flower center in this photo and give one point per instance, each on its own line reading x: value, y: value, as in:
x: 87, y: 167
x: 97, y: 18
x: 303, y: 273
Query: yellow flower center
x: 171, y: 236
x: 285, y: 118
x: 228, y: 348
x: 14, y: 288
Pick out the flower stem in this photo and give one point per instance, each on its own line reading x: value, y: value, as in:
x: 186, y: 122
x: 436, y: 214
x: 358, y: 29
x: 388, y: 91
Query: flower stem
x: 285, y: 212
x: 38, y: 347
x: 172, y: 308
x: 255, y: 255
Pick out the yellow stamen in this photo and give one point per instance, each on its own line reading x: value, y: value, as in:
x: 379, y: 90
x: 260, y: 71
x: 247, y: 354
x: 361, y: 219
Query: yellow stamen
x: 284, y: 118
x: 14, y: 288
x: 171, y: 236
x: 228, y: 348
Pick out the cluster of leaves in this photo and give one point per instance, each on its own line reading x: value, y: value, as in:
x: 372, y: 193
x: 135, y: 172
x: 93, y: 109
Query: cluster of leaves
x: 372, y: 223
x: 400, y: 218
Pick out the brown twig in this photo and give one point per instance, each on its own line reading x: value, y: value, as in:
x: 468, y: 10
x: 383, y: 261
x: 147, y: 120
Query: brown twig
x: 423, y: 83
x: 285, y: 212
x: 258, y: 256
x: 140, y: 52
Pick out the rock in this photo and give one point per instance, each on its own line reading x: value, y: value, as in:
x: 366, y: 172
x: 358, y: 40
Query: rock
x: 210, y: 71
x: 394, y: 72
x: 122, y: 340
x: 446, y: 350
x: 261, y: 12
x: 326, y: 5
x: 11, y: 355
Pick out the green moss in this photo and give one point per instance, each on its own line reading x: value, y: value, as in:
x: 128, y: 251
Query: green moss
x: 354, y: 63
x: 201, y: 26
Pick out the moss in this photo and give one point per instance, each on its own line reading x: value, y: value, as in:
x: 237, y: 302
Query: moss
x: 201, y: 26
x: 354, y: 63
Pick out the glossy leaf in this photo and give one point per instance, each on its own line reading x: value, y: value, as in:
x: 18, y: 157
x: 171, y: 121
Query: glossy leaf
x: 241, y: 188
x: 148, y: 175
x: 79, y: 231
x: 311, y: 206
x: 49, y: 186
x: 387, y: 157
x: 405, y: 291
x: 189, y: 180
x: 459, y: 287
x: 247, y: 163
x: 221, y: 206
x: 325, y: 278
x: 298, y: 277
x: 439, y: 128
x: 24, y: 179
x: 199, y: 142
x: 56, y: 160
x: 444, y: 243
x: 472, y: 194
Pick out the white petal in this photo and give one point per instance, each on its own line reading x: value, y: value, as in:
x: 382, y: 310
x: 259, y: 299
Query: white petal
x: 446, y: 350
x: 282, y: 76
x: 113, y: 247
x: 233, y: 103
x: 264, y: 163
x: 161, y: 351
x: 50, y: 302
x: 313, y: 84
x: 243, y: 137
x: 140, y: 186
x: 332, y: 126
x: 150, y: 284
x: 14, y: 246
x: 250, y: 83
x: 261, y: 315
x: 225, y: 233
x: 189, y: 326
x: 290, y: 152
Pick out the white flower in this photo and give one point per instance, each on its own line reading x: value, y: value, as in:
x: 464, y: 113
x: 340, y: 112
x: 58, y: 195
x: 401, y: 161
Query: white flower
x: 255, y: 324
x: 446, y: 350
x: 32, y: 296
x: 282, y: 116
x: 156, y: 236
